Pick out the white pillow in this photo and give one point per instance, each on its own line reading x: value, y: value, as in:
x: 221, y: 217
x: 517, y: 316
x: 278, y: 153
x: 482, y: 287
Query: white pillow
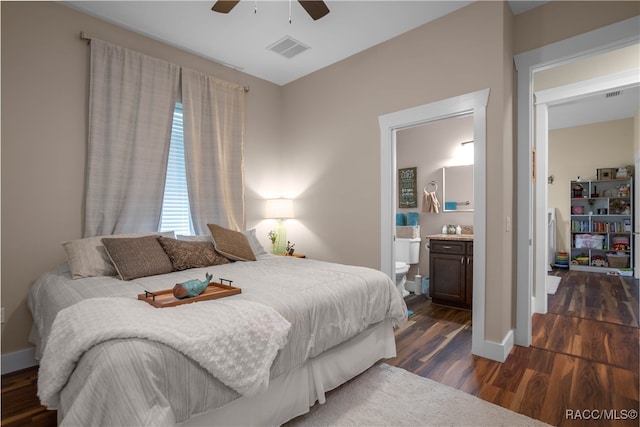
x: 187, y: 238
x: 256, y: 247
x: 88, y: 256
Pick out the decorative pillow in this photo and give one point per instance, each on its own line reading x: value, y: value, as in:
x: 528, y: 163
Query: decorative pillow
x: 135, y: 257
x: 232, y: 244
x: 191, y: 254
x: 203, y: 238
x: 256, y: 247
x: 88, y: 257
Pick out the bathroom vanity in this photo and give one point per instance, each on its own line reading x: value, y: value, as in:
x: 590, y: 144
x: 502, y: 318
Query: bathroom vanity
x: 451, y: 269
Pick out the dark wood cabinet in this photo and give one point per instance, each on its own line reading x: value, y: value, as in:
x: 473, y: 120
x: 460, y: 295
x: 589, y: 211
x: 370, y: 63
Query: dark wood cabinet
x: 451, y: 272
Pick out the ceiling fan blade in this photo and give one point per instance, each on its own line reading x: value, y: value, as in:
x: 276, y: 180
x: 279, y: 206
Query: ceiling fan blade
x: 315, y: 8
x: 224, y: 6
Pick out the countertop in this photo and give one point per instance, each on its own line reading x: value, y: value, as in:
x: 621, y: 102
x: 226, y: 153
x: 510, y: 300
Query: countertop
x: 464, y: 237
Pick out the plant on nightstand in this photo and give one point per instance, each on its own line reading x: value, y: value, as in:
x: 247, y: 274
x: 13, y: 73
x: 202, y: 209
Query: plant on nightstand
x: 273, y: 237
x: 290, y: 250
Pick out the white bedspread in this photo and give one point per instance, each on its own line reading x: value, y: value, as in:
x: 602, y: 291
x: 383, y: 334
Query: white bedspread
x: 236, y: 341
x: 143, y: 382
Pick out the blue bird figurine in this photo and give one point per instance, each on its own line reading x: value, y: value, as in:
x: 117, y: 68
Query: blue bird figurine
x: 191, y: 288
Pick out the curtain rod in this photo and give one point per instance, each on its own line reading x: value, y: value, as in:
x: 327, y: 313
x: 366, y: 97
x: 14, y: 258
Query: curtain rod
x: 87, y: 38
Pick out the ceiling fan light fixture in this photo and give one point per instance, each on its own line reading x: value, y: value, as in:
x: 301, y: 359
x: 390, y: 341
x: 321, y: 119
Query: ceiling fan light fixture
x: 224, y: 6
x: 315, y: 8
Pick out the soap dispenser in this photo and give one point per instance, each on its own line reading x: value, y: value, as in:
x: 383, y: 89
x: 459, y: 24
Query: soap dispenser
x: 444, y: 229
x: 458, y: 229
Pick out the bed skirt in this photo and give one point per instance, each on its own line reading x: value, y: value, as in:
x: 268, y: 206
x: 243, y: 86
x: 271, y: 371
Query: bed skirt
x: 293, y: 393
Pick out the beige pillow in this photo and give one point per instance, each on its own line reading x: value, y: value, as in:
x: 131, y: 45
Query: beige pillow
x: 135, y: 257
x: 232, y: 244
x: 191, y: 254
x: 88, y: 258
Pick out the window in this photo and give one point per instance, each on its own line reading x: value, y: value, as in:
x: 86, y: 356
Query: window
x: 176, y: 215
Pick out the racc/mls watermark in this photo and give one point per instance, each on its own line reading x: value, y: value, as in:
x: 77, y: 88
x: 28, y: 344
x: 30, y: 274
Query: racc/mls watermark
x: 601, y: 414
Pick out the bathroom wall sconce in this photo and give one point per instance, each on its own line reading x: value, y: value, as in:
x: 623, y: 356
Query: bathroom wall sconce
x: 464, y: 154
x: 279, y: 209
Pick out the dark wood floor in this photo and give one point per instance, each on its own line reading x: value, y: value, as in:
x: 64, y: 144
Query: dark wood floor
x: 598, y: 297
x: 20, y: 403
x: 584, y: 357
x: 577, y: 361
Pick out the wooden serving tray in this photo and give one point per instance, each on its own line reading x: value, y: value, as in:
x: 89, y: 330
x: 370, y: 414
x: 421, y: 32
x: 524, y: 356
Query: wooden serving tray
x: 165, y: 297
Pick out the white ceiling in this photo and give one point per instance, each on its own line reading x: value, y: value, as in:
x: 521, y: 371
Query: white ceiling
x: 595, y: 108
x: 240, y: 38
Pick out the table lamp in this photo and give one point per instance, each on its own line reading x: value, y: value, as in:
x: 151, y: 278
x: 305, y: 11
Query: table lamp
x: 279, y: 209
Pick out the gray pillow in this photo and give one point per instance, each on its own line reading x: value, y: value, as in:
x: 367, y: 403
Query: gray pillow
x: 232, y: 244
x: 88, y: 257
x: 135, y: 257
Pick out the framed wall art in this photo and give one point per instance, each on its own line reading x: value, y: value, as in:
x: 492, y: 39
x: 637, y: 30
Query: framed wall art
x: 407, y: 192
x: 605, y: 174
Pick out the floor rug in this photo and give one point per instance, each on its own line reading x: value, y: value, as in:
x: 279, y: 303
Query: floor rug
x: 552, y: 284
x: 388, y: 396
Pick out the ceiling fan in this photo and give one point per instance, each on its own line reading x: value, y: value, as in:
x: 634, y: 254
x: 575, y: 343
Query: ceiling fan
x: 315, y: 8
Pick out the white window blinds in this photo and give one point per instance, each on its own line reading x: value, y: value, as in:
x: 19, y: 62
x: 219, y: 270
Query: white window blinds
x: 176, y: 214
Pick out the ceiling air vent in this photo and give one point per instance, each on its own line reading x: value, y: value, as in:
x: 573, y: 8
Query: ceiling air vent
x: 614, y: 93
x: 288, y: 47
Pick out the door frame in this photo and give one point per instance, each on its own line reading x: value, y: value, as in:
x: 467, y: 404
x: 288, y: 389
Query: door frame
x: 545, y: 99
x: 474, y: 103
x: 528, y: 272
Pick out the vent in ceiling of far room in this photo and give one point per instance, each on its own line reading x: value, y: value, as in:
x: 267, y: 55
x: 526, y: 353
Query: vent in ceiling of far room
x: 613, y: 93
x: 288, y: 47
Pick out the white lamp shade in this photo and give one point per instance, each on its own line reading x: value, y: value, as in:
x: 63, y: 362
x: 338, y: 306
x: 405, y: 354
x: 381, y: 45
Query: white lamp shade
x: 279, y: 208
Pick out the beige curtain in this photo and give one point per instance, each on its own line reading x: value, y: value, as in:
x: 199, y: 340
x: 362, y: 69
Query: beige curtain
x: 132, y: 98
x: 214, y: 112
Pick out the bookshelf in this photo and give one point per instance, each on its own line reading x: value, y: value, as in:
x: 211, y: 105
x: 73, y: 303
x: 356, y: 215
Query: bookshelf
x: 601, y: 225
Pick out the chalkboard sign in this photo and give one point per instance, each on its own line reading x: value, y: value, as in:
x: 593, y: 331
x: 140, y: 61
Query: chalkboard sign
x: 407, y: 194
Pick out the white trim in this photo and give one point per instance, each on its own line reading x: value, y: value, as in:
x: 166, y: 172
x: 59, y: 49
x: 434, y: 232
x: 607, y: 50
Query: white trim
x: 541, y: 262
x: 572, y: 91
x: 607, y: 38
x: 472, y: 103
x: 18, y: 360
x: 499, y: 351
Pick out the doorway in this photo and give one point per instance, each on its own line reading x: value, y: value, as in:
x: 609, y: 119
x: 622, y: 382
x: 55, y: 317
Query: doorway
x: 531, y: 204
x: 562, y: 99
x: 433, y: 148
x: 474, y: 103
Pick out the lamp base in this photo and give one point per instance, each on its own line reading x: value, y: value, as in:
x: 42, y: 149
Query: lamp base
x: 280, y: 245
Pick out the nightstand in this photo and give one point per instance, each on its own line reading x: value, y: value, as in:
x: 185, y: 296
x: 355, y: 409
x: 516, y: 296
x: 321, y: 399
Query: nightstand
x: 295, y: 255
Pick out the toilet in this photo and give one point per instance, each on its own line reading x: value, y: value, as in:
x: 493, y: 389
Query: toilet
x: 407, y: 253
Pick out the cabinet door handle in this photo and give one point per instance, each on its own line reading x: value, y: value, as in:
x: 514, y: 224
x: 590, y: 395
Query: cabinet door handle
x: 461, y: 260
x: 446, y: 247
x: 468, y: 260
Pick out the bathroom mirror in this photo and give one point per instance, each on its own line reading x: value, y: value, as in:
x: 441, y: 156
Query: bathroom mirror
x: 457, y: 188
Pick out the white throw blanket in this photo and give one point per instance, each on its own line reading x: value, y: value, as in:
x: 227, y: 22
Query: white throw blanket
x: 235, y: 340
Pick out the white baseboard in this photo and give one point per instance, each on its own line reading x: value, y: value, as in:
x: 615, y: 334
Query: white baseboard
x: 496, y: 351
x: 18, y: 360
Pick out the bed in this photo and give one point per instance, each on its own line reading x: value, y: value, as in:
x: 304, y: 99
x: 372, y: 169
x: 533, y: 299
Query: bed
x: 327, y: 322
